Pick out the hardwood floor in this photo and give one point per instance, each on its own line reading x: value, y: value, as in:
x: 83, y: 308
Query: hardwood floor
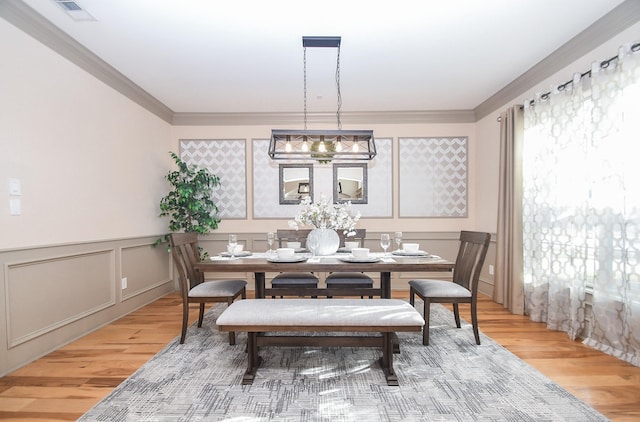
x: 66, y: 383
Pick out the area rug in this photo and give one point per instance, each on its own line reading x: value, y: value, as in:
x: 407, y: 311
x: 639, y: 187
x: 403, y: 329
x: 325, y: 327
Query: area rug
x: 453, y: 379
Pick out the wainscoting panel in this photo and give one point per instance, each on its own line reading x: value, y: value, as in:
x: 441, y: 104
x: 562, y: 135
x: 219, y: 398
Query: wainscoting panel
x: 43, y: 295
x: 51, y: 295
x: 145, y: 268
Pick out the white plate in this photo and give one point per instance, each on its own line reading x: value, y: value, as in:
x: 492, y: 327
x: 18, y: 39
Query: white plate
x: 294, y: 259
x: 351, y: 258
x: 405, y: 253
x: 237, y: 255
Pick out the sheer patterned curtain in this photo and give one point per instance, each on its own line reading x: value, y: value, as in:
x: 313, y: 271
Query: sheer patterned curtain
x: 581, y: 207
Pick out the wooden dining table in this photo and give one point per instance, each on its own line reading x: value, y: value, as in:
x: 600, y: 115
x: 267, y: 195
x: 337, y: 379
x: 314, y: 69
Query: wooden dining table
x: 260, y: 265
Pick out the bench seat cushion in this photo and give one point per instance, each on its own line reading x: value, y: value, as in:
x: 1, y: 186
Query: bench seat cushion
x: 382, y: 315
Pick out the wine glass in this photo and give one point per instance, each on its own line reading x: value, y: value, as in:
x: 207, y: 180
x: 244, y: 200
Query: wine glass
x: 398, y: 237
x: 271, y: 237
x: 385, y: 242
x: 233, y: 242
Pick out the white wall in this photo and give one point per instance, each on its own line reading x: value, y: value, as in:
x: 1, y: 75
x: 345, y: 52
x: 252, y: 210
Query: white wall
x: 90, y: 161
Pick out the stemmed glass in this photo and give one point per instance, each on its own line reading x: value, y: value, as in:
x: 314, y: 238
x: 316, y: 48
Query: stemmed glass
x: 385, y: 242
x: 233, y: 242
x: 398, y: 237
x: 271, y: 237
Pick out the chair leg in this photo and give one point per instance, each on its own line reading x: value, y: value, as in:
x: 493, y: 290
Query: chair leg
x: 425, y: 329
x: 185, y: 320
x: 201, y: 316
x: 456, y: 314
x: 474, y: 321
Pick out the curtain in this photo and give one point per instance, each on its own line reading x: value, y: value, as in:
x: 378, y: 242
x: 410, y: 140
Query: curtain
x: 581, y: 207
x: 508, y: 288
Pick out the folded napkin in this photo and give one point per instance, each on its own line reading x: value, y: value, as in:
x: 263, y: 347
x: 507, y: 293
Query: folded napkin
x: 387, y: 259
x: 314, y: 260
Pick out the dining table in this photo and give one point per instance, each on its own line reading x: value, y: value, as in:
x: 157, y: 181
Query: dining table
x: 383, y: 263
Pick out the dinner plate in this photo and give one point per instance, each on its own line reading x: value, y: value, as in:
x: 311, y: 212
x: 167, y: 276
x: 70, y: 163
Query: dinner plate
x: 406, y: 253
x: 293, y: 259
x: 237, y: 255
x: 352, y: 258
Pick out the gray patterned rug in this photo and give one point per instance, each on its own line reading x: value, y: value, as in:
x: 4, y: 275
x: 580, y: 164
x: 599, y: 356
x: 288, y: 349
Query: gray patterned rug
x: 450, y: 380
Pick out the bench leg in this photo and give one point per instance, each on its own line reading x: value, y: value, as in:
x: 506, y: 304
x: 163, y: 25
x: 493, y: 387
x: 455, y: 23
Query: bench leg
x: 386, y: 361
x: 253, y: 360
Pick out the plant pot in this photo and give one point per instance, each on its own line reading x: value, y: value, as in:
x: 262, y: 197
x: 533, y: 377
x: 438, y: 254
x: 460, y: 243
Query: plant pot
x: 327, y: 241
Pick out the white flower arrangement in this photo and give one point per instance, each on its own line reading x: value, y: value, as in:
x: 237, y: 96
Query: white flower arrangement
x: 326, y: 215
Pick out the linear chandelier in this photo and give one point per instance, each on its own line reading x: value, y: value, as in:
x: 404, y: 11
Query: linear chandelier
x: 322, y: 145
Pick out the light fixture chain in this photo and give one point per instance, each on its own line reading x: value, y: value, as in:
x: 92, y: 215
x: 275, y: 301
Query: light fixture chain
x: 338, y: 88
x: 305, y: 88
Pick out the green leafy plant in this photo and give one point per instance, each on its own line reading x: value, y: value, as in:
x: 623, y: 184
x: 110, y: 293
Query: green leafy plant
x: 189, y: 205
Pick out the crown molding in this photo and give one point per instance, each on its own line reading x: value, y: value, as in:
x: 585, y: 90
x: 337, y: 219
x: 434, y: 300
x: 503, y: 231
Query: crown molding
x: 290, y: 118
x: 32, y: 23
x: 29, y: 21
x: 611, y: 24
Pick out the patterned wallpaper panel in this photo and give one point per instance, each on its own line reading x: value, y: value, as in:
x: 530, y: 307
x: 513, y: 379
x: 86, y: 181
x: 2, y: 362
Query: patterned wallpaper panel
x: 227, y: 160
x: 433, y: 177
x: 266, y: 203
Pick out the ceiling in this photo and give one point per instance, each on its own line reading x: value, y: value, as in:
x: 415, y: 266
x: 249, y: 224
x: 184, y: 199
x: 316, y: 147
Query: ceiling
x: 206, y: 56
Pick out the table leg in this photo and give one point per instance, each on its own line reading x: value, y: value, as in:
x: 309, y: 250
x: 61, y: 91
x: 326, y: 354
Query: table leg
x: 259, y: 285
x: 385, y: 285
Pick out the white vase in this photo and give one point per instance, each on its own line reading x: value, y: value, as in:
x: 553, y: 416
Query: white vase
x: 327, y: 241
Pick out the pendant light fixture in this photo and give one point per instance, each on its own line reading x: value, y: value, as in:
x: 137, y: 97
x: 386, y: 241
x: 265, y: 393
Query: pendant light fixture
x: 322, y: 145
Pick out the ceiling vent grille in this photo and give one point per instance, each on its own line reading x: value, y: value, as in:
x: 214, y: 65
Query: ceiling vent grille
x: 73, y: 9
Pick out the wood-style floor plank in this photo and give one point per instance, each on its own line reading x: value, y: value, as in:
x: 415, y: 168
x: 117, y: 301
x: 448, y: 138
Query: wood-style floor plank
x: 66, y: 383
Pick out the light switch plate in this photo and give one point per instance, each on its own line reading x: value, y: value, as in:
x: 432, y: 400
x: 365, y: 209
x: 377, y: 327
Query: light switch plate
x: 14, y: 186
x: 14, y: 206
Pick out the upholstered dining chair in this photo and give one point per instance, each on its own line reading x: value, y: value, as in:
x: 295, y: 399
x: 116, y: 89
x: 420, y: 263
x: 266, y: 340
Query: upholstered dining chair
x: 350, y: 279
x: 463, y: 288
x: 193, y: 287
x: 293, y: 279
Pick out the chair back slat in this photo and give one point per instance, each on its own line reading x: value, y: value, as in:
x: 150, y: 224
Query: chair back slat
x: 471, y: 256
x: 359, y: 236
x: 285, y: 236
x: 184, y: 249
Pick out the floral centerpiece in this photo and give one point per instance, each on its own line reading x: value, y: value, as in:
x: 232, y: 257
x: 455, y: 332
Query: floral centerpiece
x: 326, y: 218
x: 326, y: 215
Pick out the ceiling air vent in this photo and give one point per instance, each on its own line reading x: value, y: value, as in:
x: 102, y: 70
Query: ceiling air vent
x: 74, y: 10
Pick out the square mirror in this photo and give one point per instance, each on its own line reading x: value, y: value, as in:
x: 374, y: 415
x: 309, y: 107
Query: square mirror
x: 350, y: 183
x: 296, y: 183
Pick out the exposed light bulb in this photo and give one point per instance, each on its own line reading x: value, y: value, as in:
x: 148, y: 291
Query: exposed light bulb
x: 322, y: 148
x: 355, y: 147
x: 339, y: 146
x: 305, y: 146
x: 287, y: 146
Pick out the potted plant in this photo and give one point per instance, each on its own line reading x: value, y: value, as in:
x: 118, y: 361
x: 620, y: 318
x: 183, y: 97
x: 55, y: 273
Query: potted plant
x: 189, y: 205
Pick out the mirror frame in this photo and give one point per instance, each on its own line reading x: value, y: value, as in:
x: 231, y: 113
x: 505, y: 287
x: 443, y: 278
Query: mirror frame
x: 282, y: 167
x: 336, y: 183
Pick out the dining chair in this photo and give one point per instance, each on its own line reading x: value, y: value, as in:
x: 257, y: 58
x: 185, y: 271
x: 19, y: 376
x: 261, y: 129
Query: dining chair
x: 193, y: 287
x: 296, y: 280
x: 350, y: 279
x: 463, y: 288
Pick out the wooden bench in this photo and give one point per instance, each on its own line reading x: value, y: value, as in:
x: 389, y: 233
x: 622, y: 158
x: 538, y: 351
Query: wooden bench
x: 259, y: 316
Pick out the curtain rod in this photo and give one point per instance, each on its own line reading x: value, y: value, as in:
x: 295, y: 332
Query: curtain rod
x: 603, y: 65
